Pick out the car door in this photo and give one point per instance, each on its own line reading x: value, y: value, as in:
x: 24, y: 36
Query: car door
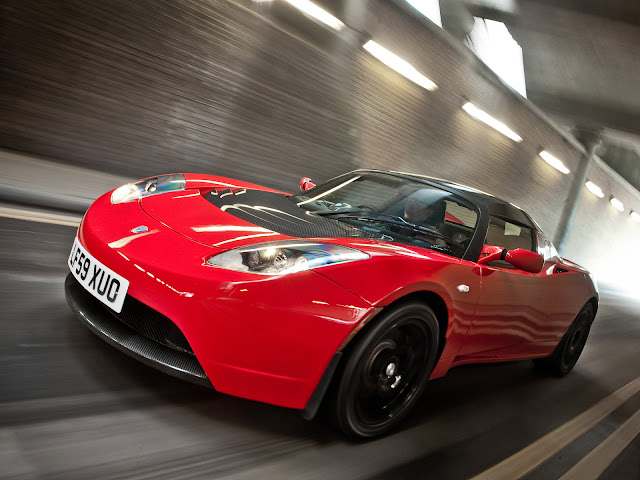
x: 512, y: 309
x: 567, y: 290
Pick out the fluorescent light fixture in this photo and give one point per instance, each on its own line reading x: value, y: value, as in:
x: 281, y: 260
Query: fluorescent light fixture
x: 554, y: 162
x: 635, y: 216
x: 428, y: 8
x: 617, y: 204
x: 484, y: 117
x: 316, y: 12
x: 593, y: 188
x: 398, y: 64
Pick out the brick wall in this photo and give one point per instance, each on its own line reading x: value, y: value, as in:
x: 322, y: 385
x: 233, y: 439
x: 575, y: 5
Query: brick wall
x: 258, y: 91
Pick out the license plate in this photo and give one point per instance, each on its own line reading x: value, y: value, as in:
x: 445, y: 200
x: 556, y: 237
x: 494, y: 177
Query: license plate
x: 100, y: 281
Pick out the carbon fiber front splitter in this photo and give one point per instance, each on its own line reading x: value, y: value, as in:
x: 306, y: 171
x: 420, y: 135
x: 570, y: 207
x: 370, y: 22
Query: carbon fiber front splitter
x: 95, y: 316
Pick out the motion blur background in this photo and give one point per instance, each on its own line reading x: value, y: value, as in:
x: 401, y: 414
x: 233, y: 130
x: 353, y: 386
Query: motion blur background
x: 270, y: 91
x: 534, y: 101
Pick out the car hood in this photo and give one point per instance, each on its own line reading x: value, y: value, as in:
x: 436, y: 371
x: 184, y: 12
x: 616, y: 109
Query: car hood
x: 233, y: 218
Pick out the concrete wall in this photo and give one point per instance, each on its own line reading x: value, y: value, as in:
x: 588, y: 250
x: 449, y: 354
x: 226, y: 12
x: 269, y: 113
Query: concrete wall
x: 581, y: 66
x: 602, y: 238
x: 258, y: 91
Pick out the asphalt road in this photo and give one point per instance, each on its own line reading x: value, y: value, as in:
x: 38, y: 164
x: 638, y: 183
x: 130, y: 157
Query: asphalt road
x: 73, y: 407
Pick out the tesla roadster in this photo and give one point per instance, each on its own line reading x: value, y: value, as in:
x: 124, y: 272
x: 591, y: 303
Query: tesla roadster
x: 351, y: 294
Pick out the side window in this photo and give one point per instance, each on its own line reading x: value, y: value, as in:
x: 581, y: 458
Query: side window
x: 510, y: 235
x: 459, y: 222
x: 460, y: 214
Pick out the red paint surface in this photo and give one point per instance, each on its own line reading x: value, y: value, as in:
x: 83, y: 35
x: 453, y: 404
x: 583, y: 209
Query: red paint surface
x: 270, y: 338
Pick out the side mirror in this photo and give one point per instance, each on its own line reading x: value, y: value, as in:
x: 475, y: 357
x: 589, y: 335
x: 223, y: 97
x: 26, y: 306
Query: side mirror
x: 306, y: 184
x: 519, y: 258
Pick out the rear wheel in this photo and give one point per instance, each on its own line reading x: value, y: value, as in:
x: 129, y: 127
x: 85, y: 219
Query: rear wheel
x: 570, y: 347
x: 386, y: 371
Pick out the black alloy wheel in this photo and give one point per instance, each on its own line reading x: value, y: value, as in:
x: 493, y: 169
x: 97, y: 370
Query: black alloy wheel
x: 385, y: 372
x: 570, y: 347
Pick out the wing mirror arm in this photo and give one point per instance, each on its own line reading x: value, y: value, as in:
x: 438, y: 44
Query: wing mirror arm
x: 491, y: 254
x: 519, y: 258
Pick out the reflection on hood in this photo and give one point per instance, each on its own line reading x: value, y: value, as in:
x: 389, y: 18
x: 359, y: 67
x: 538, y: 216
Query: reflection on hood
x: 274, y: 211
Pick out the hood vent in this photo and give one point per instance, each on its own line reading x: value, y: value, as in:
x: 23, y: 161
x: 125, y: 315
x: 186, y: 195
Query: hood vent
x: 276, y: 212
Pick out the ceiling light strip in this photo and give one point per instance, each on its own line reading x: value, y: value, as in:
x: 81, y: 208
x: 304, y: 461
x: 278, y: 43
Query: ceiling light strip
x: 399, y: 65
x: 617, y: 204
x: 593, y: 188
x: 484, y: 117
x: 316, y: 12
x: 554, y: 162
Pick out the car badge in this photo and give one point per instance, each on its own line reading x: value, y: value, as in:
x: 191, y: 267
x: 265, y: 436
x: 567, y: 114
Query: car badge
x: 463, y: 288
x: 140, y: 229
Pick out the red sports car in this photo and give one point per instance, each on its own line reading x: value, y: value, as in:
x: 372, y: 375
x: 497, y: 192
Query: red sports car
x: 354, y: 292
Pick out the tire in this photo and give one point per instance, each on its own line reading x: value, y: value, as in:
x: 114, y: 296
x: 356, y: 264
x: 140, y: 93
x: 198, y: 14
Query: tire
x: 385, y: 371
x: 568, y: 351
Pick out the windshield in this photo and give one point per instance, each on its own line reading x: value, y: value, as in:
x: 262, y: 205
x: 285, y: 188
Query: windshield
x: 398, y: 209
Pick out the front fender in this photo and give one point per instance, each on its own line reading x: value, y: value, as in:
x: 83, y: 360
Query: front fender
x: 384, y: 279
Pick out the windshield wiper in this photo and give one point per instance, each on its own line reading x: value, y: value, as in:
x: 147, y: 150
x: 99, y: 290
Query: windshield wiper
x: 367, y: 216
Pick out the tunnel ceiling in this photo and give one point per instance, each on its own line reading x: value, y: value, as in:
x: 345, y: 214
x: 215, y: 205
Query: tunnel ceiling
x: 627, y: 11
x: 582, y: 64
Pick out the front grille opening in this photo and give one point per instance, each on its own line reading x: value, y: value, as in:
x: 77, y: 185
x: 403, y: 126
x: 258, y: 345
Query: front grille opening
x: 146, y: 321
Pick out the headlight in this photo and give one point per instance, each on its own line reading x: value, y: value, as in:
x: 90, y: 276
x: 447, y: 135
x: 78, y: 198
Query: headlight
x: 282, y: 257
x: 148, y: 187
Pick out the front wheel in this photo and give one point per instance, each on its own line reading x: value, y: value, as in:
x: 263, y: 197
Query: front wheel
x: 386, y: 371
x: 570, y: 347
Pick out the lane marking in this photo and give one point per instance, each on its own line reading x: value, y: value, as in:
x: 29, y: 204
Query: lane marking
x: 40, y: 216
x: 530, y: 457
x: 597, y: 461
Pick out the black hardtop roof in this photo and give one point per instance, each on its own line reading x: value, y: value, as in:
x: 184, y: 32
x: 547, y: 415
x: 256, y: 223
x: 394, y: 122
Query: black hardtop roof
x: 494, y: 205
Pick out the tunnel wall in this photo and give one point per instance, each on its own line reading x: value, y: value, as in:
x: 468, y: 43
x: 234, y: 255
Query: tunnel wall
x: 256, y: 90
x: 605, y: 240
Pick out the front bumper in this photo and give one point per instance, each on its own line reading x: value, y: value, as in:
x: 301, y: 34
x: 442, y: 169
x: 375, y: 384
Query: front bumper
x: 154, y: 342
x: 264, y: 338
